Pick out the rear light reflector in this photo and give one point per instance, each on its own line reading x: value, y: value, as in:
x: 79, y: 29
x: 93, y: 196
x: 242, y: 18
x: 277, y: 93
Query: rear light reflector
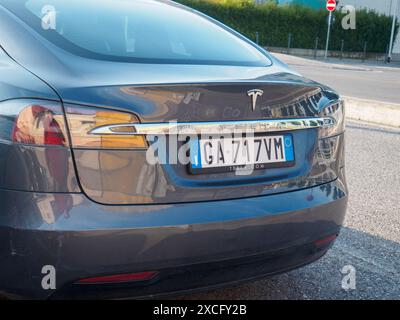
x: 82, y: 120
x: 120, y: 278
x: 325, y: 241
x: 33, y: 122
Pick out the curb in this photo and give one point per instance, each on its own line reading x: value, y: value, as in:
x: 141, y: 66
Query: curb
x: 377, y: 112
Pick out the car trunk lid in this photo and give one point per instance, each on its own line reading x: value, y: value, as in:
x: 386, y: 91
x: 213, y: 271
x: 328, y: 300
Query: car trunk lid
x: 127, y: 177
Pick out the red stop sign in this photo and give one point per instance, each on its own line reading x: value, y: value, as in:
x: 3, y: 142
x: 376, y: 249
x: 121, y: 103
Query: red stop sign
x: 331, y: 5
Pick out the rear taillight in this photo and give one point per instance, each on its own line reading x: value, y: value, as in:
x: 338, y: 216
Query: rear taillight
x: 336, y: 113
x: 82, y: 120
x: 42, y: 122
x: 33, y: 122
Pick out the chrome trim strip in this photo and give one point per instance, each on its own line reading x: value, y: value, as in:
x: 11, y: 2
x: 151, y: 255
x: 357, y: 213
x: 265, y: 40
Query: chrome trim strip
x: 256, y: 126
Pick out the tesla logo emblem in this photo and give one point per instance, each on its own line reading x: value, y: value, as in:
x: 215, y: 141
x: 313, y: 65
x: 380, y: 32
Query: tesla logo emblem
x: 254, y: 94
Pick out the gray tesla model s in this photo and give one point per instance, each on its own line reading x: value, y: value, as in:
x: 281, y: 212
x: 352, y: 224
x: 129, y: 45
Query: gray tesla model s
x: 147, y: 149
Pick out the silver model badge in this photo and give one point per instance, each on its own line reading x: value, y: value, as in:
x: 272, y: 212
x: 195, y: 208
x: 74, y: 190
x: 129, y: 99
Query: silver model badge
x: 254, y: 94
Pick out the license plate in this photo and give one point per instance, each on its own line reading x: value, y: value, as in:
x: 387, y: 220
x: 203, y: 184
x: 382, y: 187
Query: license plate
x: 231, y: 154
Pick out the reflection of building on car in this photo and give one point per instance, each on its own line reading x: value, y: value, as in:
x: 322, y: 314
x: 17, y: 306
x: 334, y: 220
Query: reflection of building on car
x: 38, y: 125
x: 44, y: 126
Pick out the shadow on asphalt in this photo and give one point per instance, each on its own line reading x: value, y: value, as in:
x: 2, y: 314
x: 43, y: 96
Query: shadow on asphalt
x: 376, y: 261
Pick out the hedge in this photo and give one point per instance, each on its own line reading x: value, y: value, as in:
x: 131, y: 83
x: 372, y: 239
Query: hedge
x: 275, y: 22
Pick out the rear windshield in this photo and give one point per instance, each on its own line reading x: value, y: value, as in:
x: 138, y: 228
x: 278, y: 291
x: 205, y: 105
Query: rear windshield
x: 135, y: 31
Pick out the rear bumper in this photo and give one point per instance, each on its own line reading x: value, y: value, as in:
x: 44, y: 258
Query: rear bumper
x: 192, y: 246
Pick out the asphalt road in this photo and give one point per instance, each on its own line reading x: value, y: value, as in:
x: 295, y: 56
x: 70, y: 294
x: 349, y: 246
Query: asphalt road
x: 366, y: 81
x: 370, y: 241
